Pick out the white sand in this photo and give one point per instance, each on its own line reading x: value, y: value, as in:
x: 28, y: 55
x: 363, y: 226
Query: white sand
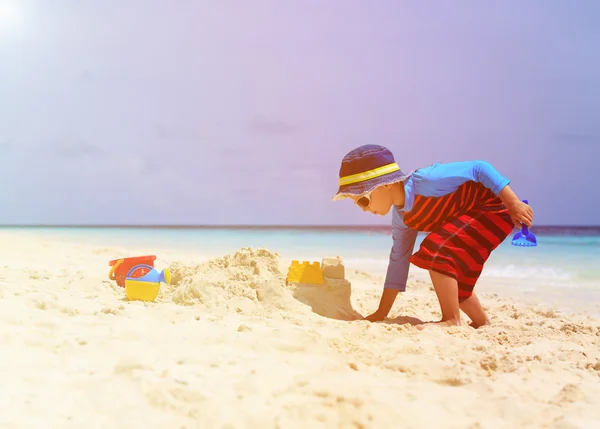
x: 230, y: 346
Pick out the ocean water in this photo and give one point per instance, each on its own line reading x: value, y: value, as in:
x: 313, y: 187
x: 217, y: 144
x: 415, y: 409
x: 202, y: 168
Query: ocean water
x: 566, y: 260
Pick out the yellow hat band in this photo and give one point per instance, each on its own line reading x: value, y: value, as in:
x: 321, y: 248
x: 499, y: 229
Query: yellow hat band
x: 370, y: 174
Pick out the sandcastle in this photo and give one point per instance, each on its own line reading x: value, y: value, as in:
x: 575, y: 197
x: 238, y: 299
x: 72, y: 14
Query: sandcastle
x: 324, y: 287
x: 315, y: 272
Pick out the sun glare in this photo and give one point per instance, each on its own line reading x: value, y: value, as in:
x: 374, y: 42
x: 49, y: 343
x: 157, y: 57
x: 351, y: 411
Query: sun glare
x: 10, y: 16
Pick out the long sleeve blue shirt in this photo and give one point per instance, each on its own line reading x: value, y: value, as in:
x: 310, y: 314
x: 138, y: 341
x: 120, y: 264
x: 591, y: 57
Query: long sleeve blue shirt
x: 433, y: 181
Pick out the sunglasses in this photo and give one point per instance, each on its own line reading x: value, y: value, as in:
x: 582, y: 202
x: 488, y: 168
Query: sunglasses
x: 364, y: 201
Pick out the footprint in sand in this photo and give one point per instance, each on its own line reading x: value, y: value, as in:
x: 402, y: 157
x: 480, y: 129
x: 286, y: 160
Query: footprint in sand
x: 568, y: 394
x: 39, y: 275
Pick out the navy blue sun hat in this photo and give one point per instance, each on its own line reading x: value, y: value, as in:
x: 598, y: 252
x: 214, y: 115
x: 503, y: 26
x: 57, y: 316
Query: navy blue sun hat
x: 365, y: 168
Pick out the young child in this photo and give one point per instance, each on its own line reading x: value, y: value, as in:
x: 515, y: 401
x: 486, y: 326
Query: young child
x: 467, y: 208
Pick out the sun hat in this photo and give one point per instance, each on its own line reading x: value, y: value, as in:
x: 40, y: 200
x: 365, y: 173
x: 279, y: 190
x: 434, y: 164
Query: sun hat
x: 365, y: 168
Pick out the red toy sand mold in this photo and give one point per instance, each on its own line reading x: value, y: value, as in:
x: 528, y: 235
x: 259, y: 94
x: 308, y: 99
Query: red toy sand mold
x: 120, y: 267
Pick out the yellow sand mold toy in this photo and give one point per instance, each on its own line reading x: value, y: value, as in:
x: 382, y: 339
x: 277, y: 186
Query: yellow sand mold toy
x: 305, y: 272
x: 145, y: 288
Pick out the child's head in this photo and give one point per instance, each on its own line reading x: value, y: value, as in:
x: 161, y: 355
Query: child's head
x: 368, y: 176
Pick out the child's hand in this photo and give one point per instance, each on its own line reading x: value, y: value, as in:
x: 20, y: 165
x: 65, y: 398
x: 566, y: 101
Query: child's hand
x: 520, y: 213
x: 378, y: 316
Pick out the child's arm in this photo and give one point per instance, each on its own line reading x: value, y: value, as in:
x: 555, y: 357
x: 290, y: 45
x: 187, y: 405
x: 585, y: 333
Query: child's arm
x: 397, y: 273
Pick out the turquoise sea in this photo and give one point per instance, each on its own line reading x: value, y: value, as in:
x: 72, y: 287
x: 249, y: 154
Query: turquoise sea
x: 566, y: 261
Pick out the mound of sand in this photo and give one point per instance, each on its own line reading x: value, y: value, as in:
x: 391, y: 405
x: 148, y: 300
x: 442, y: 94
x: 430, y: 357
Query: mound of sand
x: 253, y: 282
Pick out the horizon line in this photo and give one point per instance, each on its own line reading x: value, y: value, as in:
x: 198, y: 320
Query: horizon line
x: 243, y: 226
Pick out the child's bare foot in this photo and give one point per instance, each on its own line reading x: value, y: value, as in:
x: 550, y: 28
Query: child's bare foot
x: 479, y: 325
x: 472, y: 308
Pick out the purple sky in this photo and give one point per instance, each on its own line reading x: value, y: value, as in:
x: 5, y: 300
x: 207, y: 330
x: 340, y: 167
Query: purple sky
x: 239, y: 112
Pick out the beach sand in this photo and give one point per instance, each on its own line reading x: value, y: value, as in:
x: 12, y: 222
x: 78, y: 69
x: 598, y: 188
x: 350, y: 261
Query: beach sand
x: 231, y: 346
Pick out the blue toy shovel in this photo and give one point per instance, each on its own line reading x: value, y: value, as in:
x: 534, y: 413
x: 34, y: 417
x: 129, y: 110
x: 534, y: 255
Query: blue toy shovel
x: 524, y: 238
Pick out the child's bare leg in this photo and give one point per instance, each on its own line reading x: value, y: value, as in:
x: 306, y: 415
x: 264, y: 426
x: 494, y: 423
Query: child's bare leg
x: 446, y: 289
x: 472, y: 308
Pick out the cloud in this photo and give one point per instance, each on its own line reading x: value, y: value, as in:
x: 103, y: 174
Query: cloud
x: 262, y: 125
x: 86, y: 76
x: 5, y: 147
x: 62, y: 149
x: 171, y: 133
x: 76, y: 149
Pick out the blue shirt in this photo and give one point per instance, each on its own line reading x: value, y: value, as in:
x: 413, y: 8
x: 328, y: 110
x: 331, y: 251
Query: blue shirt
x: 433, y: 181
